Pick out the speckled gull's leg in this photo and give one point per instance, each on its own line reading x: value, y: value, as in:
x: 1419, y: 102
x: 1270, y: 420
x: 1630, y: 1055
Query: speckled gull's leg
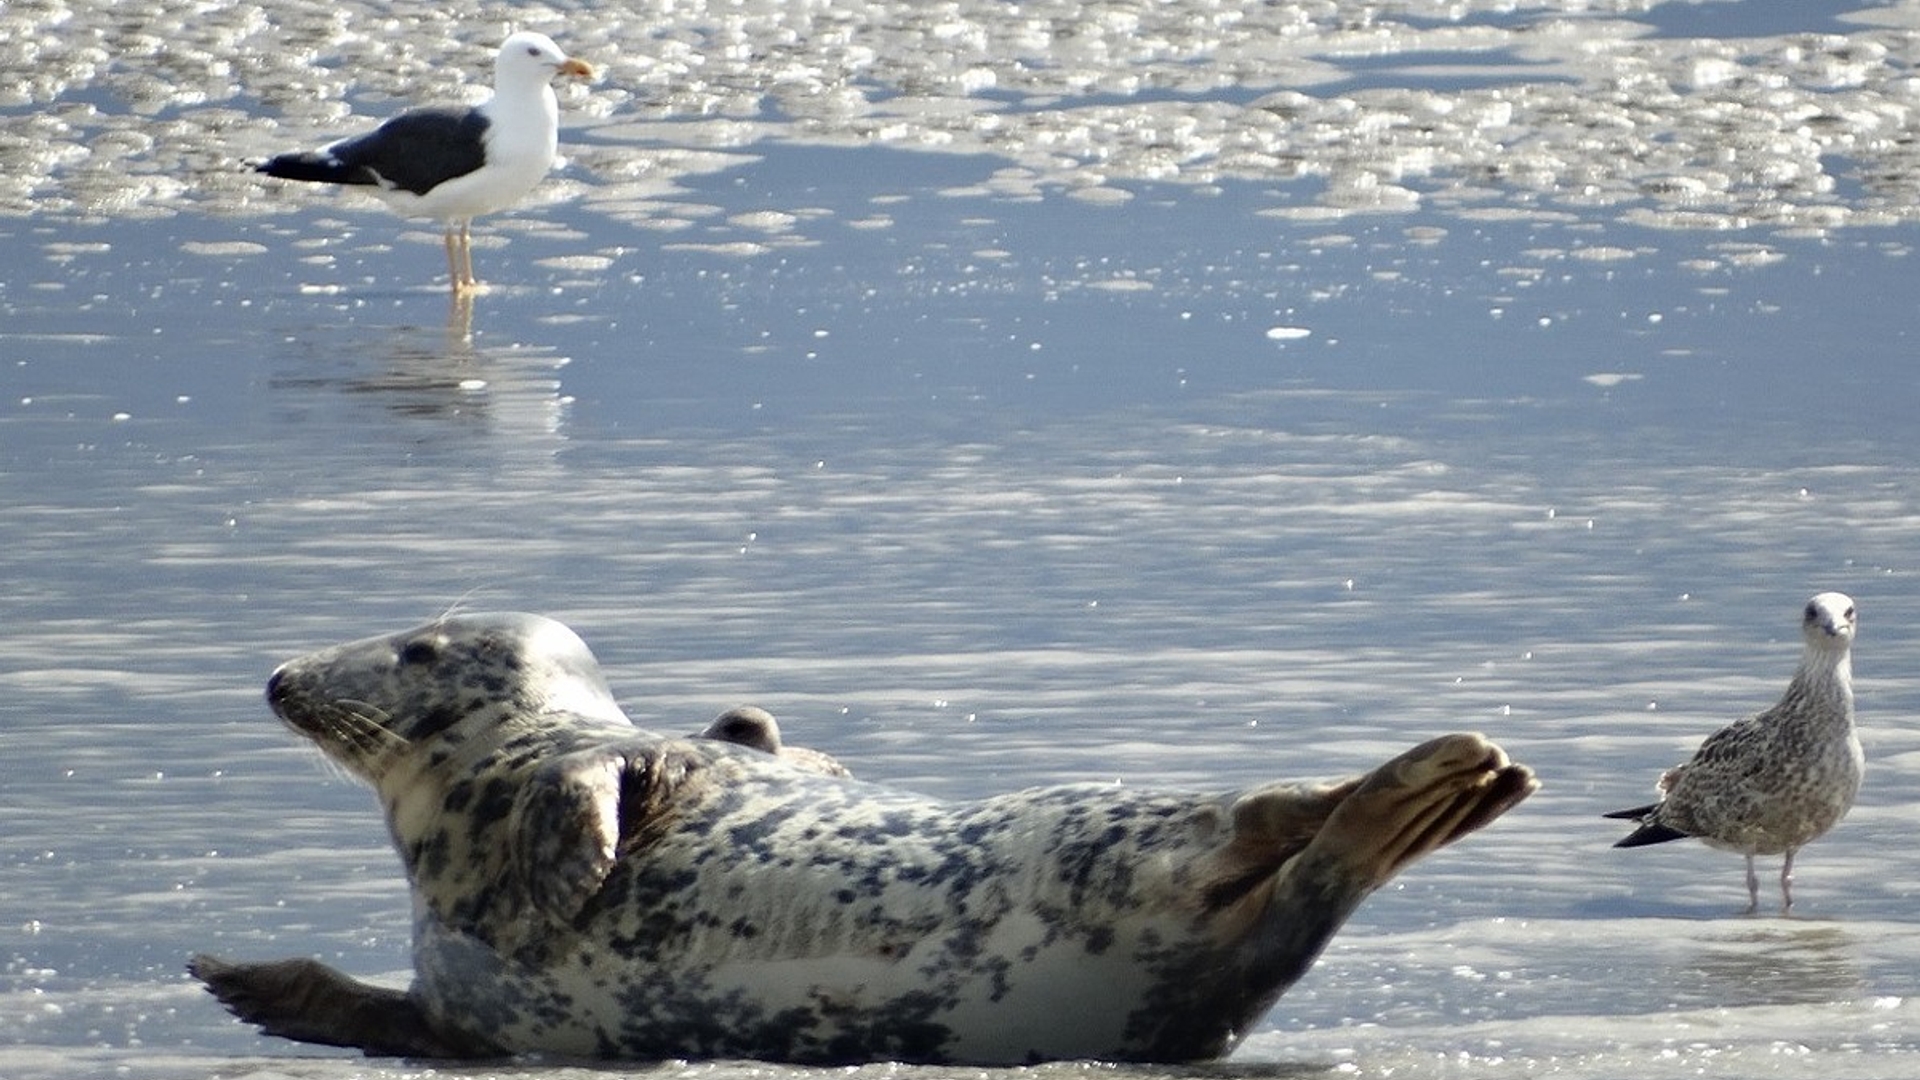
x: 1786, y: 882
x: 1753, y: 888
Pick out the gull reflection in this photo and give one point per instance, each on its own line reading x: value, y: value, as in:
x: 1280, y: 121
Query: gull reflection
x: 1790, y: 965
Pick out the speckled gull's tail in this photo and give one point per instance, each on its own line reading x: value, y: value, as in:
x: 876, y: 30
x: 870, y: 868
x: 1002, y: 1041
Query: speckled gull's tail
x: 1649, y: 832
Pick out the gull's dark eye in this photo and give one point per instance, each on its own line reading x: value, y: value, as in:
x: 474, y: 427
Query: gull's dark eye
x: 533, y: 50
x: 419, y: 651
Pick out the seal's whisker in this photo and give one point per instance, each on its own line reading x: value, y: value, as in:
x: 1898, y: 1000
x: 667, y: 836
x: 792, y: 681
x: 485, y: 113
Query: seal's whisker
x: 356, y: 733
x: 458, y: 605
x: 332, y: 767
x: 370, y: 713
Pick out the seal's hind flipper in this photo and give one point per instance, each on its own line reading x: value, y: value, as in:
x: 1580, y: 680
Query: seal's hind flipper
x: 1339, y: 842
x: 306, y: 1000
x: 1419, y: 802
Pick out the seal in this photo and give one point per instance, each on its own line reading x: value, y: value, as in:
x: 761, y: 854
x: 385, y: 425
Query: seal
x: 586, y: 888
x: 754, y: 727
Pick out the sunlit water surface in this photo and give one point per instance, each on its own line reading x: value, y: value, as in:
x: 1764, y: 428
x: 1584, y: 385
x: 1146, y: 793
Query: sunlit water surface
x: 1187, y: 394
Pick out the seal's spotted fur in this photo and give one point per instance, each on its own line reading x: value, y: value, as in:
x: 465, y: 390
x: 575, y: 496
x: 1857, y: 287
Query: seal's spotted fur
x: 583, y: 887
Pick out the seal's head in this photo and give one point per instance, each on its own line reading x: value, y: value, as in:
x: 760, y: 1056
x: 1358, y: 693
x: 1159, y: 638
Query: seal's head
x: 366, y: 703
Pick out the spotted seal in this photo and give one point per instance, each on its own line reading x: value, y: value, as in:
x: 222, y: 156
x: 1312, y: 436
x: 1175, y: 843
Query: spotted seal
x: 583, y: 887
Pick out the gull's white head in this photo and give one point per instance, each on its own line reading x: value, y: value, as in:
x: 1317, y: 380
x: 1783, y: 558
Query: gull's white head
x: 1829, y: 621
x: 535, y: 58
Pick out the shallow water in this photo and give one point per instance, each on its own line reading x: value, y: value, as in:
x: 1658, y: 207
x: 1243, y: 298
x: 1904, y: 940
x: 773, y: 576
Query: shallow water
x: 1000, y: 395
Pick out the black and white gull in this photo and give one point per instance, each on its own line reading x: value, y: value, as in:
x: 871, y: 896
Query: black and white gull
x: 1771, y: 783
x: 455, y: 164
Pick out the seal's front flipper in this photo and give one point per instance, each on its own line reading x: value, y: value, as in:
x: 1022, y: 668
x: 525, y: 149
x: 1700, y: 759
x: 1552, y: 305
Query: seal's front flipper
x: 306, y: 1000
x: 566, y: 827
x: 580, y: 813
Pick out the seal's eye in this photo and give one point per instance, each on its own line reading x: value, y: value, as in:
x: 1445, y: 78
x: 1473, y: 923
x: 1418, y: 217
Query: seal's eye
x: 1849, y: 614
x: 1812, y: 613
x: 419, y: 651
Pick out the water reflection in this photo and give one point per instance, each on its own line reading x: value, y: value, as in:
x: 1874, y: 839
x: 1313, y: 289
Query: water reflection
x: 1772, y: 965
x: 509, y: 395
x: 460, y: 320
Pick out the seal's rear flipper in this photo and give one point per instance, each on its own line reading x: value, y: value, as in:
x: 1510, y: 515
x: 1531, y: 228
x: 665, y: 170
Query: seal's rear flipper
x: 1300, y: 859
x: 307, y: 1000
x: 1419, y: 802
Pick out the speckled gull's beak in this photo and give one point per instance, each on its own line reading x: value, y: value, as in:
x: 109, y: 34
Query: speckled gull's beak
x: 578, y: 69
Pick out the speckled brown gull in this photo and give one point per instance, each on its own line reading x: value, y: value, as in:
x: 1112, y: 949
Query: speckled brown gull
x: 454, y: 164
x: 1772, y: 783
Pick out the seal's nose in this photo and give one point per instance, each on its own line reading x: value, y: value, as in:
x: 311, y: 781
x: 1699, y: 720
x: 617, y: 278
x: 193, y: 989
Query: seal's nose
x: 273, y: 686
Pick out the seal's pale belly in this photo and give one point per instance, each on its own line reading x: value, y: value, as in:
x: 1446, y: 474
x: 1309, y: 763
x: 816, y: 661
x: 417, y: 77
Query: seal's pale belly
x: 829, y: 1009
x: 1062, y: 1004
x: 817, y: 919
